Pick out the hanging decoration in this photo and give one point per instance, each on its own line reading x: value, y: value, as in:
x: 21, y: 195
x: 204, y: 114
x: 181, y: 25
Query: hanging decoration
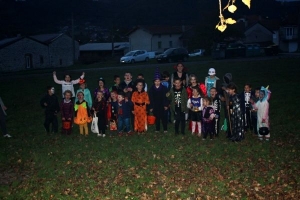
x: 222, y: 25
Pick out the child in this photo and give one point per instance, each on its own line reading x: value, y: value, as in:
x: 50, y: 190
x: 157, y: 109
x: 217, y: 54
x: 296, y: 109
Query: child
x: 254, y: 100
x: 216, y: 103
x: 195, y: 105
x: 166, y: 80
x: 123, y: 109
x: 262, y: 107
x: 178, y: 98
x: 51, y: 105
x: 208, y: 115
x: 236, y: 115
x: 2, y: 119
x: 141, y: 76
x: 116, y: 86
x: 111, y: 112
x: 245, y: 97
x: 159, y: 103
x: 140, y: 100
x: 127, y: 85
x: 82, y: 114
x: 101, y: 88
x: 86, y: 92
x: 211, y: 80
x: 99, y: 106
x: 67, y: 111
x: 67, y: 84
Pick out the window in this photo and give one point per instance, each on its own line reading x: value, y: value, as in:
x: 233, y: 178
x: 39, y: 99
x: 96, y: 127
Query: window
x: 170, y: 44
x: 159, y: 45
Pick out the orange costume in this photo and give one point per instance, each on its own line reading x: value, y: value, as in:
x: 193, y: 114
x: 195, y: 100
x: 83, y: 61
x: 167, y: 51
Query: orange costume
x: 82, y: 116
x: 140, y: 101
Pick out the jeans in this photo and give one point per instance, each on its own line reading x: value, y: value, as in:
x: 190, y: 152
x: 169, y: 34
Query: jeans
x: 123, y: 122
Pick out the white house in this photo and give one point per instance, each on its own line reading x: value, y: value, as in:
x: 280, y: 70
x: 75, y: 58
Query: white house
x: 155, y: 38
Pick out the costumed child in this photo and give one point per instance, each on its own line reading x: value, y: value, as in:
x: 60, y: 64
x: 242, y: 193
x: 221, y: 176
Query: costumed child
x: 159, y: 103
x: 193, y: 82
x: 123, y: 109
x: 140, y: 100
x: 82, y: 114
x: 236, y: 115
x: 216, y: 103
x: 2, y: 119
x: 181, y: 74
x: 208, y: 115
x: 166, y: 81
x: 195, y: 105
x: 67, y: 84
x: 112, y: 104
x: 245, y: 97
x: 67, y: 112
x: 262, y: 107
x: 212, y: 81
x: 141, y: 76
x: 86, y: 92
x: 50, y: 103
x: 178, y: 97
x: 99, y: 107
x: 254, y: 99
x: 101, y: 88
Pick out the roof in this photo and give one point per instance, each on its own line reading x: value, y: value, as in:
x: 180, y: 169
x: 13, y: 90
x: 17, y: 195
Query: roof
x: 46, y: 38
x: 162, y: 30
x: 258, y: 24
x: 103, y: 46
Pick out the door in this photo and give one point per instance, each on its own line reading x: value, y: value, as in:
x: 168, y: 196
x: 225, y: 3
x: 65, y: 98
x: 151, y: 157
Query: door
x: 28, y: 61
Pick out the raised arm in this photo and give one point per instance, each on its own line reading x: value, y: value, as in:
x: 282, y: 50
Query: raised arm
x: 77, y: 80
x: 55, y: 79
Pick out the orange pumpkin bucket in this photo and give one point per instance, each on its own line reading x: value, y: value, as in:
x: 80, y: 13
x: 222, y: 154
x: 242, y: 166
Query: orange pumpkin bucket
x: 151, y: 119
x: 66, y: 125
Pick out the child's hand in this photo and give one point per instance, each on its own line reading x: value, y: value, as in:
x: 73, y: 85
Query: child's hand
x: 63, y: 119
x: 151, y: 110
x: 54, y: 73
x: 69, y: 119
x: 4, y: 108
x: 191, y: 105
x: 126, y: 99
x: 45, y: 104
x: 166, y: 108
x: 83, y: 73
x: 132, y: 112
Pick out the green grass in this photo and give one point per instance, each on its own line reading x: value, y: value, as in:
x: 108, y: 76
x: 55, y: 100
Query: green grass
x: 155, y: 165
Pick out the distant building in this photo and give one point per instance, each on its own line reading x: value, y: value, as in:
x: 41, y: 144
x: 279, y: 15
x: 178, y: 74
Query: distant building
x: 39, y: 51
x: 156, y: 38
x: 95, y: 52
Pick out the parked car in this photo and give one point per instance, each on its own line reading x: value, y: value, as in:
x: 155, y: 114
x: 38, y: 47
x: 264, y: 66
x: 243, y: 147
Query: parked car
x: 197, y: 52
x: 135, y: 56
x: 173, y: 55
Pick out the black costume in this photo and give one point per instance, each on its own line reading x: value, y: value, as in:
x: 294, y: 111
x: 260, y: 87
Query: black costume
x: 236, y: 119
x: 51, y: 111
x: 216, y: 102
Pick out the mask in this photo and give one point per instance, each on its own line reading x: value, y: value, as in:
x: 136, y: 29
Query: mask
x: 52, y: 90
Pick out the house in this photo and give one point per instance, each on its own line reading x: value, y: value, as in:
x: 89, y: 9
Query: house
x: 289, y: 34
x: 156, y: 38
x: 93, y: 52
x: 38, y: 51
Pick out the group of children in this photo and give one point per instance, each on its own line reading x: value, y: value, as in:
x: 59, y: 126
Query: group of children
x: 178, y: 96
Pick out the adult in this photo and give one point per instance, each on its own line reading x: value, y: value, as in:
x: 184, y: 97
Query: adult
x: 181, y: 74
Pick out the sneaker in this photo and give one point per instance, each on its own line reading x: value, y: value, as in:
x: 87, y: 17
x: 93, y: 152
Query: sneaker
x: 203, y: 139
x: 260, y: 138
x: 156, y: 131
x: 7, y: 135
x: 193, y: 133
x: 120, y: 134
x: 103, y: 135
x: 99, y: 135
x: 199, y: 134
x: 165, y: 131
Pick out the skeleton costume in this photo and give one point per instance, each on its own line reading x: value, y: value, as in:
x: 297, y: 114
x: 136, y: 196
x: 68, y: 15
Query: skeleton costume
x: 216, y: 102
x: 196, y: 112
x: 178, y: 98
x: 246, y: 108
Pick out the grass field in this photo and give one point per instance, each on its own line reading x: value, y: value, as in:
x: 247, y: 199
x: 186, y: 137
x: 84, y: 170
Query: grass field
x: 155, y: 165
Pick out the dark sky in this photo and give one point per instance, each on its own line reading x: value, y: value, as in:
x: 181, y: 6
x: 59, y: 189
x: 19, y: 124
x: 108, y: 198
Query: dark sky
x: 47, y: 15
